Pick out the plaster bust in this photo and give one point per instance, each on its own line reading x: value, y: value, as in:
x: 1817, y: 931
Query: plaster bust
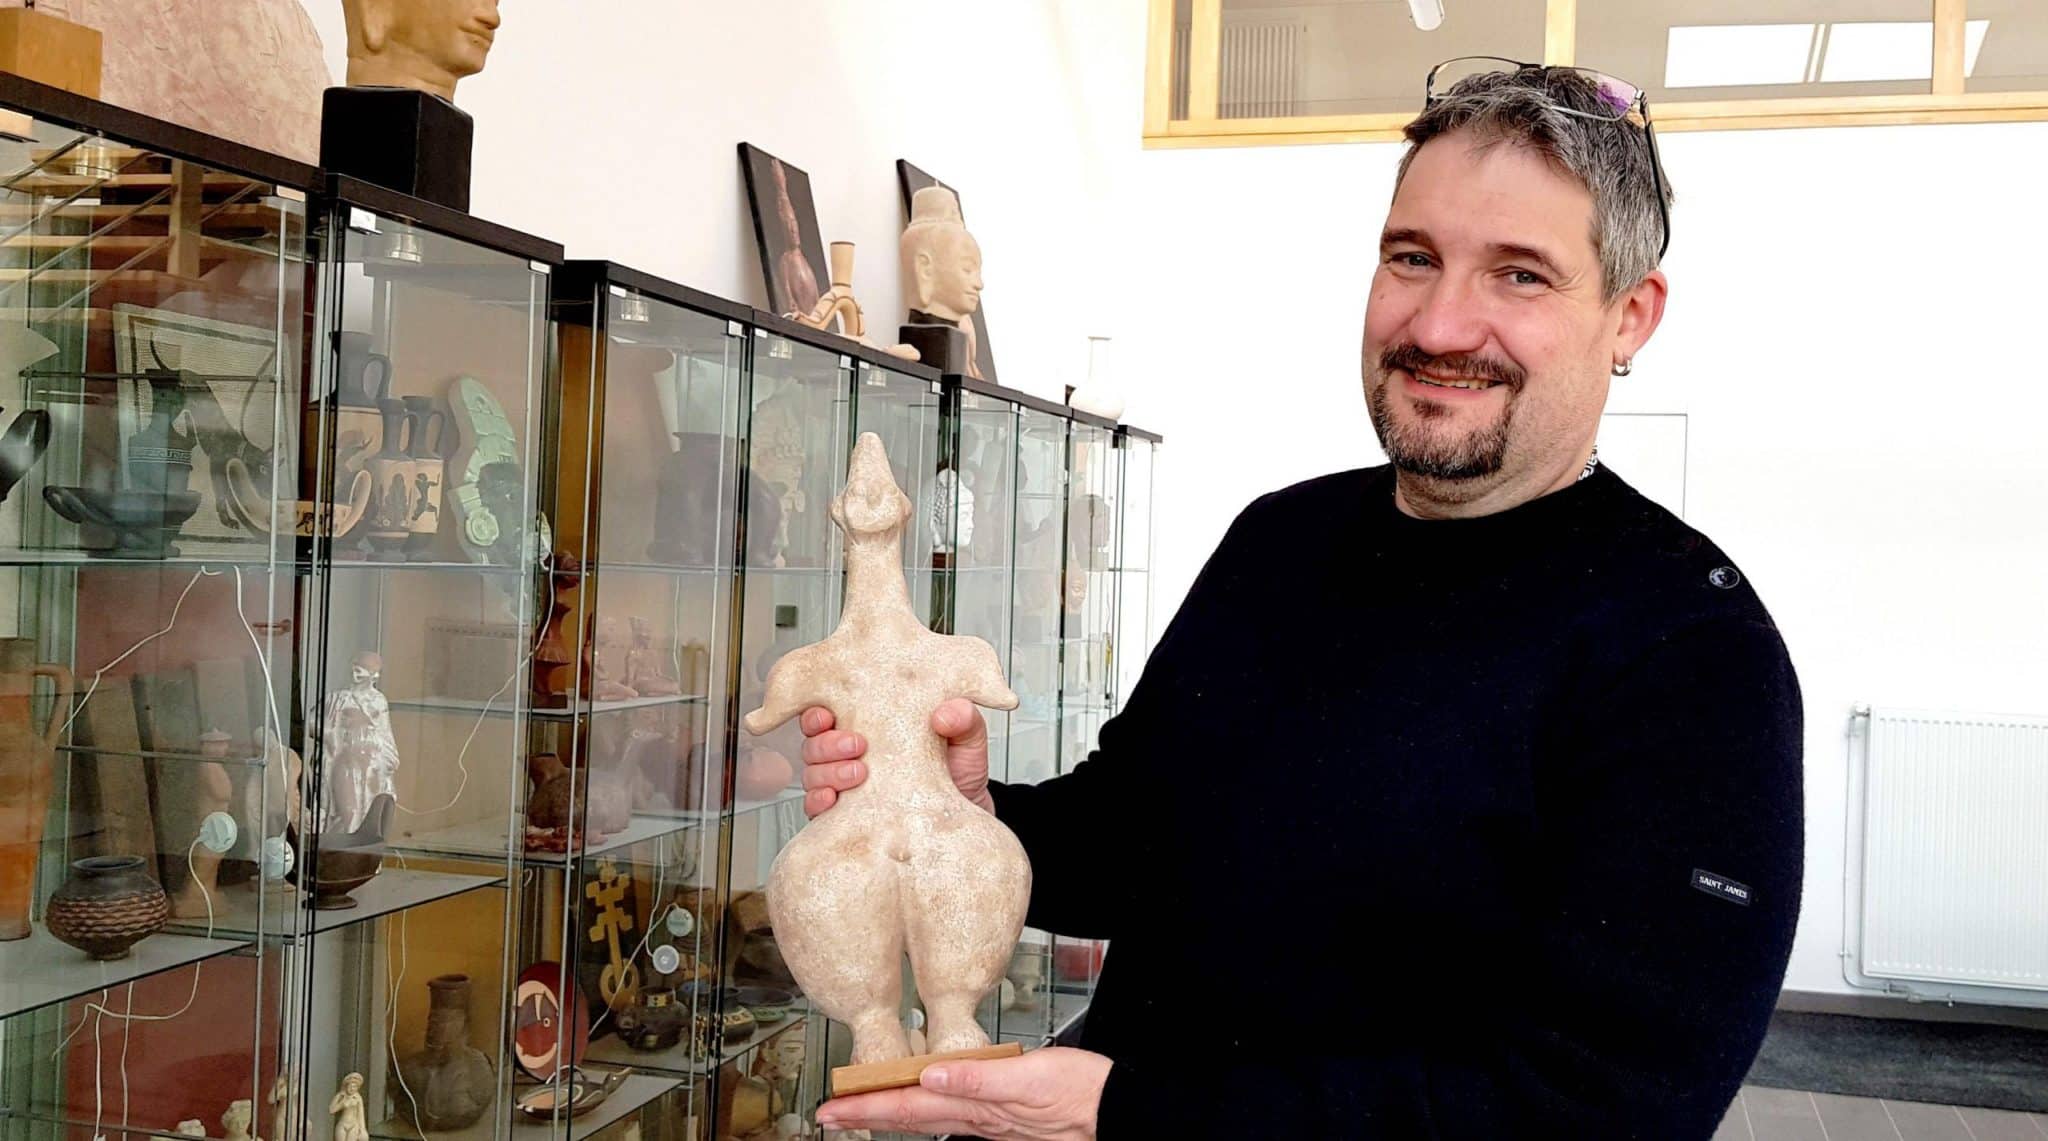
x: 941, y: 260
x: 427, y: 45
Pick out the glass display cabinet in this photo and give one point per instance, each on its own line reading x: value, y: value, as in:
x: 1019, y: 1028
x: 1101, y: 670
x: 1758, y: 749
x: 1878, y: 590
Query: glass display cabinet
x: 151, y: 286
x: 633, y: 798
x: 427, y: 550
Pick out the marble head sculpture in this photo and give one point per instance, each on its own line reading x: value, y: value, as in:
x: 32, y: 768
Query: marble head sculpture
x: 904, y: 862
x: 941, y: 260
x: 427, y: 45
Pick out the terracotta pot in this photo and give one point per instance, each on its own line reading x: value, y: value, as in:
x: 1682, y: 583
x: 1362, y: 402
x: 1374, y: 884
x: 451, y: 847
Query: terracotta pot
x: 450, y: 1082
x: 107, y: 906
x: 25, y: 768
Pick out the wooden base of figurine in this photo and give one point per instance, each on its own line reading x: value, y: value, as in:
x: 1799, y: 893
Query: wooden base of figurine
x: 905, y: 1072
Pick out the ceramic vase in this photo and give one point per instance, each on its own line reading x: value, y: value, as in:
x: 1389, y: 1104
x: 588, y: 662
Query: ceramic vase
x: 428, y: 451
x: 655, y: 1021
x: 449, y: 1084
x: 362, y: 378
x: 160, y: 456
x: 26, y: 756
x: 391, y: 481
x: 107, y: 906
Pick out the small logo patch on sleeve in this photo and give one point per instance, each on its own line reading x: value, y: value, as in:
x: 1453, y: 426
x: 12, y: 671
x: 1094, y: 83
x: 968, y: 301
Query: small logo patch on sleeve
x: 1721, y: 886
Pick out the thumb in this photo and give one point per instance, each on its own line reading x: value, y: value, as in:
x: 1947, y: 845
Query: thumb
x: 956, y: 720
x: 1003, y: 1080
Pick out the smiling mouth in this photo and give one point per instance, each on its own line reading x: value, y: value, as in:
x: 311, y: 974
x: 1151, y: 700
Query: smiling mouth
x: 1468, y: 383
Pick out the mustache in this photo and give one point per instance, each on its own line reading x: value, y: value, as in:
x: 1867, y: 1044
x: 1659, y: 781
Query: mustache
x: 1410, y: 359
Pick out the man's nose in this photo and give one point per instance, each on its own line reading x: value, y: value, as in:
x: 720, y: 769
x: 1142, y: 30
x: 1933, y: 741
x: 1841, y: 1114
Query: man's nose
x: 1450, y: 319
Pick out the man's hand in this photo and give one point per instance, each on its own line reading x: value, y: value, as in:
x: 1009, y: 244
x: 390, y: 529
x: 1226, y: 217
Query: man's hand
x: 1046, y: 1095
x: 832, y: 759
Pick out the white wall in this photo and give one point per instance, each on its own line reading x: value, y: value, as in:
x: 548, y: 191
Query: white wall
x: 612, y: 127
x: 1852, y: 335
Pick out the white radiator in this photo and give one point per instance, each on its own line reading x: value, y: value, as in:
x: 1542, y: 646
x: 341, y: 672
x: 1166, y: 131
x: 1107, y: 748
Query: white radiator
x: 1261, y: 72
x: 1954, y: 850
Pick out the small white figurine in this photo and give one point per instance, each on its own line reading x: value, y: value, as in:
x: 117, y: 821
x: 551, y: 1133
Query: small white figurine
x: 236, y: 1121
x: 347, y: 1111
x: 362, y: 756
x: 280, y: 1101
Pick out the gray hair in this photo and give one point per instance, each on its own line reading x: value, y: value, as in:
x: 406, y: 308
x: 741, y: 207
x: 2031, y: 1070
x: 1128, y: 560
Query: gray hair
x: 1610, y: 159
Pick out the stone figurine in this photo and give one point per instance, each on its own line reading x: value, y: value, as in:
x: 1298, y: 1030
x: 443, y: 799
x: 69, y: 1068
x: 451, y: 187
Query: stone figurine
x: 347, y: 1111
x: 361, y: 754
x: 603, y: 686
x: 280, y: 1102
x: 644, y: 673
x: 904, y: 861
x: 212, y: 790
x: 942, y: 273
x: 837, y: 306
x: 427, y: 45
x: 236, y: 1121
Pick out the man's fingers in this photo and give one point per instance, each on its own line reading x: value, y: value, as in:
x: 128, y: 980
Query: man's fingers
x: 816, y: 720
x: 959, y: 722
x: 838, y: 777
x: 910, y: 1110
x: 826, y: 748
x: 1009, y: 1079
x: 818, y: 800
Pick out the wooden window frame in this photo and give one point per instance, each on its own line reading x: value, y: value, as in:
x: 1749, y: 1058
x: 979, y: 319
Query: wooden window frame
x: 1946, y: 102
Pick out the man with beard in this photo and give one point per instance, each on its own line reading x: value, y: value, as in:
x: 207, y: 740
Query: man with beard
x: 1498, y: 833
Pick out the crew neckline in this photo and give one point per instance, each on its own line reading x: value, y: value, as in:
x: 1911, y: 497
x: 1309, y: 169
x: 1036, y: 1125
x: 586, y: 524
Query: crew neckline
x: 1546, y: 510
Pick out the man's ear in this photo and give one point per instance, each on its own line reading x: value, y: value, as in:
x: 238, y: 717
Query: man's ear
x: 1642, y: 310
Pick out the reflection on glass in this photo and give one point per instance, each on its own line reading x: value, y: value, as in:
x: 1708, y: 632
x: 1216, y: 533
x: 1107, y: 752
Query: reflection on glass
x: 1352, y: 58
x: 1701, y: 52
x: 2005, y: 47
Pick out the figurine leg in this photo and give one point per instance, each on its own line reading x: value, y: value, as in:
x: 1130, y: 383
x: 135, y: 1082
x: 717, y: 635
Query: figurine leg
x: 832, y: 898
x: 963, y: 902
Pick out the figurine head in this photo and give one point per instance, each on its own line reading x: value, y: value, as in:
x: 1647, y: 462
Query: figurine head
x: 427, y: 45
x: 643, y: 630
x: 941, y: 260
x: 366, y: 668
x: 872, y: 504
x: 607, y: 630
x: 352, y: 1083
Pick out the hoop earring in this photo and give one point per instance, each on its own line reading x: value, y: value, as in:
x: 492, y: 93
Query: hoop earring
x: 1624, y: 368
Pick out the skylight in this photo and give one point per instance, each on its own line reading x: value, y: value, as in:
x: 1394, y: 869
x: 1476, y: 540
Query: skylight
x: 1746, y: 55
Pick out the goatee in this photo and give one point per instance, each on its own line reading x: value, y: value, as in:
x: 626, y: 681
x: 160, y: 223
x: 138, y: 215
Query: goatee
x: 1414, y: 450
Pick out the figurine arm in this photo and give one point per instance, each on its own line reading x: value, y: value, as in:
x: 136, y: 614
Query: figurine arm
x: 978, y: 676
x: 794, y: 685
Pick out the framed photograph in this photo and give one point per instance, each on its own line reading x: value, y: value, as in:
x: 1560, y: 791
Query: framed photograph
x: 231, y: 414
x: 911, y: 180
x: 786, y: 227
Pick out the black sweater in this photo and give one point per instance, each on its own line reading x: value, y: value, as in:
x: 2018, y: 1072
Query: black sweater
x: 1484, y: 828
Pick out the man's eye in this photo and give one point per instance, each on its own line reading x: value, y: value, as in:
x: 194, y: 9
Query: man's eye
x: 1525, y: 277
x: 1409, y: 260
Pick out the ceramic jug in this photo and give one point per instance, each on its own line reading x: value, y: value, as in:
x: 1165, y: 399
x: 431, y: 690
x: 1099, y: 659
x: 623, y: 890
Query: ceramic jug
x: 362, y: 379
x: 391, y: 478
x: 26, y: 755
x: 160, y: 455
x: 450, y: 1083
x: 428, y: 451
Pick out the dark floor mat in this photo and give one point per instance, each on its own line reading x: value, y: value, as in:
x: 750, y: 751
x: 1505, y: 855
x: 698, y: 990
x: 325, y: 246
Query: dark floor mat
x: 1950, y: 1063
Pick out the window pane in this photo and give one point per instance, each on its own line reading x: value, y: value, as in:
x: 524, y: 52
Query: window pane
x: 1698, y: 51
x: 1183, y: 22
x: 2005, y: 46
x: 1284, y: 58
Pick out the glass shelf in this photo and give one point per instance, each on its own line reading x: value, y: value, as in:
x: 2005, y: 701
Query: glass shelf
x: 506, y: 707
x: 742, y: 808
x: 392, y: 889
x: 155, y: 755
x: 1067, y: 1009
x: 256, y: 556
x: 39, y: 970
x: 681, y: 1061
x: 636, y: 1091
x: 487, y: 838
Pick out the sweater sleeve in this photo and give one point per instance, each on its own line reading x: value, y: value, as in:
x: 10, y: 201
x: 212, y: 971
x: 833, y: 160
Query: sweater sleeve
x: 1077, y: 825
x: 1664, y: 887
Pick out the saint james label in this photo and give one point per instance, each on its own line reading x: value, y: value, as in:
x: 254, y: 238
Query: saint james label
x: 1722, y: 886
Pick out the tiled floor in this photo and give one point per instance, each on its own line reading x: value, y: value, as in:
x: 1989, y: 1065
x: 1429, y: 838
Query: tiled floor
x: 1761, y: 1114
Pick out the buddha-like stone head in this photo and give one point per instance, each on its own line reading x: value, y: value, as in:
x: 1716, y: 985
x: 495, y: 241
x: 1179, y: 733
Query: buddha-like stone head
x: 941, y: 260
x: 427, y: 45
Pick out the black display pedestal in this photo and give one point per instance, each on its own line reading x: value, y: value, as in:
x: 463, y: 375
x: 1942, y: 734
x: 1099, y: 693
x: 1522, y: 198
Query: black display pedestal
x: 395, y: 137
x: 943, y: 347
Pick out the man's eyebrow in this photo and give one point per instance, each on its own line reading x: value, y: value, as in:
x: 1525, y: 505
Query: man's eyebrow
x: 1529, y: 253
x: 1403, y: 237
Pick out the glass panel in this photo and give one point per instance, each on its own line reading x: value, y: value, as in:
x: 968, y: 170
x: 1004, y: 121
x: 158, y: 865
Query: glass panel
x: 1035, y: 631
x: 1356, y: 57
x: 1695, y: 51
x: 2005, y: 46
x: 799, y: 441
x: 428, y: 545
x: 1134, y: 564
x: 1183, y: 19
x: 149, y: 355
x: 623, y: 816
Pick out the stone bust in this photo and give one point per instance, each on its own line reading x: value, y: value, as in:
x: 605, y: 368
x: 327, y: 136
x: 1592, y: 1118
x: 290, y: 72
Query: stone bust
x: 427, y: 45
x: 941, y: 260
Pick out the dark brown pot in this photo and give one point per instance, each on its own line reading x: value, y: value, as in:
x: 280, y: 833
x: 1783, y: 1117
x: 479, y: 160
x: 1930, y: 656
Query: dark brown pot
x: 108, y: 905
x: 450, y: 1082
